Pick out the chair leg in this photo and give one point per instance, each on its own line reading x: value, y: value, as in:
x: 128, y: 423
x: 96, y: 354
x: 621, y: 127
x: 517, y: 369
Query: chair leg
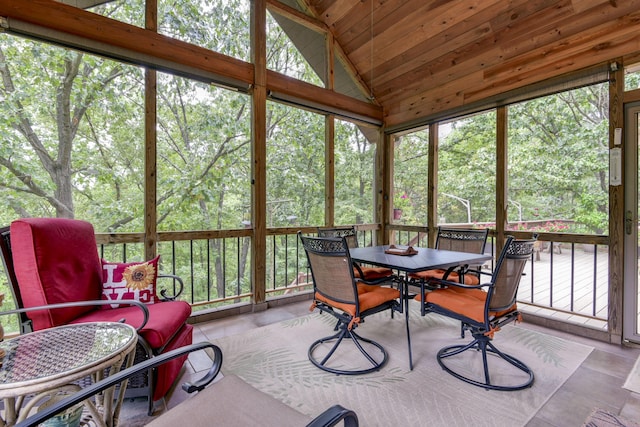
x: 483, y: 345
x: 356, y: 340
x: 151, y: 373
x: 344, y: 332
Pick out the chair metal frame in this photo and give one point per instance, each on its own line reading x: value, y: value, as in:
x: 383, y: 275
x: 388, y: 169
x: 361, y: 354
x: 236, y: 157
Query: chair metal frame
x: 473, y: 240
x: 333, y: 279
x: 499, y: 310
x: 351, y: 235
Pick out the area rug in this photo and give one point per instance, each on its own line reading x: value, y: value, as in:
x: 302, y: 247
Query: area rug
x: 602, y: 418
x: 632, y: 383
x: 274, y: 360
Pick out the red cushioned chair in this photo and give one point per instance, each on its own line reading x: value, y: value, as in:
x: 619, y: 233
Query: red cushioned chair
x: 55, y: 261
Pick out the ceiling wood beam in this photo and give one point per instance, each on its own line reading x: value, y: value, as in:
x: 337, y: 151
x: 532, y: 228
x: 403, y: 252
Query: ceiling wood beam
x: 70, y: 20
x: 84, y: 25
x: 305, y: 93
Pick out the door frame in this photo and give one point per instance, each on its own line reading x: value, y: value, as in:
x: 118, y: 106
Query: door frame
x: 631, y: 321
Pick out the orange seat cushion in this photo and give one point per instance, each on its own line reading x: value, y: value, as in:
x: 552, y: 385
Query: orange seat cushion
x: 368, y: 297
x: 466, y: 302
x: 362, y: 288
x: 469, y: 279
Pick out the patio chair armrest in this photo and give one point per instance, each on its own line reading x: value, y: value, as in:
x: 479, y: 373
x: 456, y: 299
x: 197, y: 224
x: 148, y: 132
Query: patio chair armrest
x: 460, y: 270
x: 333, y: 416
x: 448, y: 283
x: 141, y: 306
x: 163, y: 292
x: 125, y: 374
x: 200, y: 384
x: 380, y: 281
x: 357, y: 267
x: 470, y: 268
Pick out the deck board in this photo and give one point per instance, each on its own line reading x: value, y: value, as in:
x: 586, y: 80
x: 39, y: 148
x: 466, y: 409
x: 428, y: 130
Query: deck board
x: 554, y: 274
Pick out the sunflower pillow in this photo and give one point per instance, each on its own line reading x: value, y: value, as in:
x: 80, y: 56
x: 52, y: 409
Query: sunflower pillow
x: 130, y: 281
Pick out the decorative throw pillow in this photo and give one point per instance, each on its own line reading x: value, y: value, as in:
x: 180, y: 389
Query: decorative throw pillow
x: 129, y: 281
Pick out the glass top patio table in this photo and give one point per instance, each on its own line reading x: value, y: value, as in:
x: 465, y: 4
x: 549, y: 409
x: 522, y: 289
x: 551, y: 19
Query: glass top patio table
x: 45, y: 363
x: 424, y: 259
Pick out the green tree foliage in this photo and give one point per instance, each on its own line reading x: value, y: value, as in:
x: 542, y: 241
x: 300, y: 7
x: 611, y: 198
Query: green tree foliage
x: 295, y: 166
x: 67, y: 125
x: 203, y: 155
x: 632, y: 79
x: 466, y: 168
x: 204, y: 173
x: 354, y: 174
x: 218, y: 25
x: 558, y: 157
x: 558, y: 164
x: 410, y: 173
x: 129, y: 11
x: 75, y: 140
x: 284, y: 56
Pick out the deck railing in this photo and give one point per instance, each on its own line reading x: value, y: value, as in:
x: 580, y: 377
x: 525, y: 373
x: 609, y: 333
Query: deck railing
x: 215, y: 266
x: 286, y: 249
x: 569, y: 273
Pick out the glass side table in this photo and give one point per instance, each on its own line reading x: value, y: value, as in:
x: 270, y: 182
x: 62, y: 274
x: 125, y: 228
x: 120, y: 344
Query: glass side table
x: 44, y: 363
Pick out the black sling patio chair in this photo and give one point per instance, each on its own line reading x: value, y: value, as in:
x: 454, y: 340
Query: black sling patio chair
x: 360, y: 271
x: 483, y: 310
x: 461, y: 240
x: 350, y: 300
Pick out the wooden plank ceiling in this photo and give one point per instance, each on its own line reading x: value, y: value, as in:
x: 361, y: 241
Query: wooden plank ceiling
x: 423, y: 57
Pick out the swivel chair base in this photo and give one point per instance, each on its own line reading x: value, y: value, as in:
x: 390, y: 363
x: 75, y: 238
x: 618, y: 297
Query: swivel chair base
x: 483, y: 345
x: 321, y: 361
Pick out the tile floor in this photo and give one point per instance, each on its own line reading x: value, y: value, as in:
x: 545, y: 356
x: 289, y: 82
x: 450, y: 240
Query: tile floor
x: 597, y: 383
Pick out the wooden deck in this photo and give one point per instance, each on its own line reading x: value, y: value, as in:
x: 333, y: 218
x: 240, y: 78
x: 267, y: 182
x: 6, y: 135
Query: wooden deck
x: 571, y: 280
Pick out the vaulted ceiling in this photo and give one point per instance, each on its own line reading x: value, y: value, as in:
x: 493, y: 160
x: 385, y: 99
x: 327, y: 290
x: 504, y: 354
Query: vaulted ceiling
x: 423, y: 57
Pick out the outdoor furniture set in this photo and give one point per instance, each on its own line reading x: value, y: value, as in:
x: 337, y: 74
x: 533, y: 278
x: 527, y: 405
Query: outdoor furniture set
x: 449, y: 284
x: 56, y: 275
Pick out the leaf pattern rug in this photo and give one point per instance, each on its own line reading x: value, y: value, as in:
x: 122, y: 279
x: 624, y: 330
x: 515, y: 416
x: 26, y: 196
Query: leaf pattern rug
x: 274, y: 360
